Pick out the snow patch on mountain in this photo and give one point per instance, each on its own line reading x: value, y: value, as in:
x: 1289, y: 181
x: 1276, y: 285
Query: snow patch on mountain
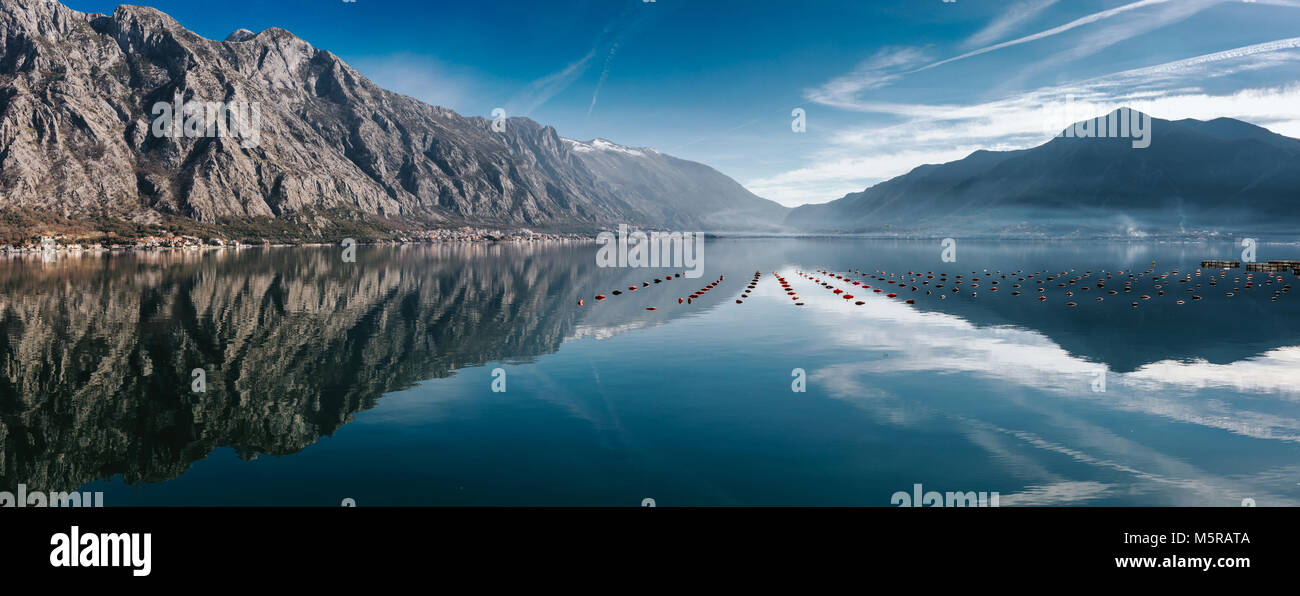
x: 603, y: 145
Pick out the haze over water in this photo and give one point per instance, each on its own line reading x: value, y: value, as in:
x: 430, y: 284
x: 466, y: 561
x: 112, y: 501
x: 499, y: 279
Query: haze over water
x: 373, y: 380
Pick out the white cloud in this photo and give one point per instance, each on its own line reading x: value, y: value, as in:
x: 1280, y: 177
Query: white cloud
x: 892, y: 65
x: 875, y: 72
x: 1015, y: 15
x: 1087, y: 20
x: 422, y: 77
x: 542, y: 90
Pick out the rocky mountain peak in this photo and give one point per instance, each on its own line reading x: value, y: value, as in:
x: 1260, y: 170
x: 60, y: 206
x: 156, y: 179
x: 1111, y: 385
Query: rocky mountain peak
x: 239, y: 35
x: 80, y: 141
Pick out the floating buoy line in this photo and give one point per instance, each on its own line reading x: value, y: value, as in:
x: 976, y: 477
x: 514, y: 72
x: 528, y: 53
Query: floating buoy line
x: 1148, y: 287
x: 658, y: 280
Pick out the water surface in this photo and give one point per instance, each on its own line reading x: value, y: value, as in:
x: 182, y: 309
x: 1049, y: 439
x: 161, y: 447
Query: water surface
x: 373, y: 380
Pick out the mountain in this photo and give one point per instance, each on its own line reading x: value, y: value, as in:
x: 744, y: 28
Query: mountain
x: 1195, y: 175
x: 678, y: 193
x: 324, y: 151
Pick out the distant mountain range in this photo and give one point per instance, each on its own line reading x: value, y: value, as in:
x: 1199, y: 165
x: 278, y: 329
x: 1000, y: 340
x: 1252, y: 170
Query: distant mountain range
x: 1220, y: 174
x: 675, y: 192
x: 334, y: 155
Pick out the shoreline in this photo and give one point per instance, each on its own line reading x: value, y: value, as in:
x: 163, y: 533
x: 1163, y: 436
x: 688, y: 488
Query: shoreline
x: 139, y: 246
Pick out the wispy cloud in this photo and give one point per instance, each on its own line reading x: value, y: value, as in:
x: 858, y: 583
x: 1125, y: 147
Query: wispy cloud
x: 604, y: 74
x: 542, y: 90
x: 1120, y: 30
x: 887, y: 66
x: 1015, y: 16
x: 607, y: 43
x: 1079, y: 22
x: 422, y: 77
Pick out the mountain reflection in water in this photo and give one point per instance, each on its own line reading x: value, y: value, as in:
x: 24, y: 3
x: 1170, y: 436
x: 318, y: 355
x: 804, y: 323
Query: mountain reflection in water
x: 688, y: 403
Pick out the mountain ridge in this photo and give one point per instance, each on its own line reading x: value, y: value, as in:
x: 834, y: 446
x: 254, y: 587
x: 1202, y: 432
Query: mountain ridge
x: 1195, y: 175
x: 337, y: 154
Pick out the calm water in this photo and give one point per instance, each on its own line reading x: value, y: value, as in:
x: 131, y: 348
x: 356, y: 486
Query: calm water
x: 373, y: 380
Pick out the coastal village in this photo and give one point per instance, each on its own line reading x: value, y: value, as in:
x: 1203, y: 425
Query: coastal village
x: 167, y: 241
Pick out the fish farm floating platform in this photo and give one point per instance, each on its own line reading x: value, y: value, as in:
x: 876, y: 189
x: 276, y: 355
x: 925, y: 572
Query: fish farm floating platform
x: 1217, y: 264
x: 1277, y: 266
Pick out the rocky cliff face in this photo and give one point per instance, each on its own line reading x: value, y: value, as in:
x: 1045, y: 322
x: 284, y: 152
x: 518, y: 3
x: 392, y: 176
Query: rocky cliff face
x: 78, y: 140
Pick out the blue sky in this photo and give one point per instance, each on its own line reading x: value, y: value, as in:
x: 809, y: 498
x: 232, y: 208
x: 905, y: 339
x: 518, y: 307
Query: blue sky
x: 886, y: 84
